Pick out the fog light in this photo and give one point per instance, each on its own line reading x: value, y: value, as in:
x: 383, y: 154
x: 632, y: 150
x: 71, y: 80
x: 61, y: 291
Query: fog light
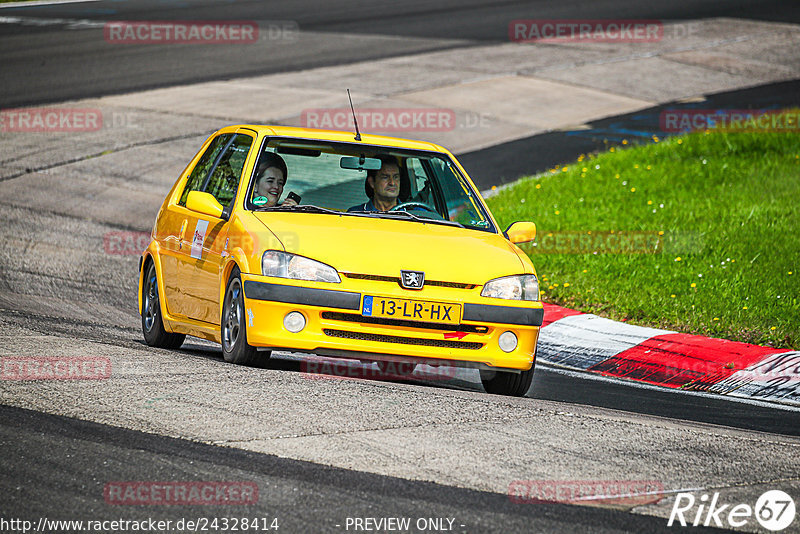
x: 507, y: 341
x: 296, y: 321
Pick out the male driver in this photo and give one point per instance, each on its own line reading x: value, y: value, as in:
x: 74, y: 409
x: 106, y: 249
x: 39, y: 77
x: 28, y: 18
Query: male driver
x: 382, y: 186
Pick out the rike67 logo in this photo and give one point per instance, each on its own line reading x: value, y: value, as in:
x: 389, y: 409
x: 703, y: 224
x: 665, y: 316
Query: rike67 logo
x: 774, y: 510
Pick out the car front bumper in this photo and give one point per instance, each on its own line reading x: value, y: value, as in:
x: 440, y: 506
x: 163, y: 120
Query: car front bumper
x: 334, y: 325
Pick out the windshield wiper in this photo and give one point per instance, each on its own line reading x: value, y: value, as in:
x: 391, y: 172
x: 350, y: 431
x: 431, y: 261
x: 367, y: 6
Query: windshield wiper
x: 307, y: 208
x: 410, y: 215
x: 310, y: 208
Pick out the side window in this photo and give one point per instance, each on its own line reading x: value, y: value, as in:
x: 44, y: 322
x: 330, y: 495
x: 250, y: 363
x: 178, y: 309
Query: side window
x: 198, y: 176
x: 419, y: 181
x: 225, y: 177
x: 462, y: 206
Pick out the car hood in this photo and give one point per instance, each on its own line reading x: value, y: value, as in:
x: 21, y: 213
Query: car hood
x: 382, y: 247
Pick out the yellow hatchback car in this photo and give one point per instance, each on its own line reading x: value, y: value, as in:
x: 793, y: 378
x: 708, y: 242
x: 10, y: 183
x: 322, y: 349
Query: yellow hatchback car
x: 364, y: 247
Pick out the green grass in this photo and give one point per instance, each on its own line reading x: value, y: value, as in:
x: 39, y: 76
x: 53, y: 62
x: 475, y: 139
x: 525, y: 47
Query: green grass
x: 731, y: 223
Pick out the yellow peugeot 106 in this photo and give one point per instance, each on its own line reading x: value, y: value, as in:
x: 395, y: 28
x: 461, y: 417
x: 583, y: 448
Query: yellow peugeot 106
x: 362, y: 247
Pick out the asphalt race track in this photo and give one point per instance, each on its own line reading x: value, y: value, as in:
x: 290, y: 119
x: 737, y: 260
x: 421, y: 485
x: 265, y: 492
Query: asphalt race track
x: 321, y: 449
x: 46, y: 62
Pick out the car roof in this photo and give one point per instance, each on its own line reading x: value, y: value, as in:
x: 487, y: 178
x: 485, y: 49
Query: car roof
x: 340, y: 136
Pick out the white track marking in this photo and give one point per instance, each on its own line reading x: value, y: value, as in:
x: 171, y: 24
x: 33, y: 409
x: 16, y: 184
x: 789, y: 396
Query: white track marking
x: 581, y: 341
x: 35, y: 3
x: 643, y: 385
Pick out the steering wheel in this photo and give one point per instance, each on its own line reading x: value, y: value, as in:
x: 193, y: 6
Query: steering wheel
x: 414, y: 204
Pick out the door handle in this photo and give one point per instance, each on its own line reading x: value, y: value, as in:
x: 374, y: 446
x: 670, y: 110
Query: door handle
x: 183, y: 232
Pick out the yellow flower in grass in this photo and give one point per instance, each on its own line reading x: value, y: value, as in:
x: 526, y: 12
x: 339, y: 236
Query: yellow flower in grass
x: 566, y: 284
x: 678, y: 258
x: 716, y: 318
x: 633, y: 189
x: 661, y: 232
x: 672, y: 296
x: 680, y: 141
x: 649, y: 202
x: 538, y: 186
x: 694, y: 285
x: 744, y: 307
x: 772, y: 328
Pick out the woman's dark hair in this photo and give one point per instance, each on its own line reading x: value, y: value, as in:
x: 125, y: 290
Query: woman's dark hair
x: 271, y: 159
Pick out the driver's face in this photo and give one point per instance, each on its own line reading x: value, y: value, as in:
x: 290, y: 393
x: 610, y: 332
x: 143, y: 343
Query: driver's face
x: 386, y: 183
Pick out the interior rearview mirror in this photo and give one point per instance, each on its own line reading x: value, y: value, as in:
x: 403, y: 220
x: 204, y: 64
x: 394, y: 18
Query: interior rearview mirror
x: 360, y: 163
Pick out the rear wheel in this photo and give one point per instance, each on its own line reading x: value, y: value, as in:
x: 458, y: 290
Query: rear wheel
x: 507, y: 383
x: 152, y: 325
x: 235, y: 348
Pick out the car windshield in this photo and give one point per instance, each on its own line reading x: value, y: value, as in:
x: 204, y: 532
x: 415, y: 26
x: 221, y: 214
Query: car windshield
x: 364, y: 180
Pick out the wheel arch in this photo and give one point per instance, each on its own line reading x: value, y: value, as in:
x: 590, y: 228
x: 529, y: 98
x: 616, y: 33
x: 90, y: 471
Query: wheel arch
x: 150, y: 256
x: 226, y: 274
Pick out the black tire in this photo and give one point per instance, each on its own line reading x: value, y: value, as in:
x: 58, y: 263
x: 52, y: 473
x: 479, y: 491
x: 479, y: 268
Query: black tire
x: 152, y: 325
x: 507, y: 383
x: 233, y: 326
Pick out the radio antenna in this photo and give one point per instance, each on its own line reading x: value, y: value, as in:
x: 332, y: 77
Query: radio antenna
x: 358, y: 135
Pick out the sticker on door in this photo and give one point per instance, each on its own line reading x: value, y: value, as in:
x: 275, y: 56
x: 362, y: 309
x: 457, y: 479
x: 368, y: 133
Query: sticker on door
x: 198, y: 238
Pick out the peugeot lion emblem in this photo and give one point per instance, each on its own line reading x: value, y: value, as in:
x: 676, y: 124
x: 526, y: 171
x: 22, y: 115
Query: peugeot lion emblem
x: 412, y: 279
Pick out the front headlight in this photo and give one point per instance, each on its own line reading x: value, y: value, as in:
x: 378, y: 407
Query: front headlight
x: 285, y: 265
x: 518, y: 287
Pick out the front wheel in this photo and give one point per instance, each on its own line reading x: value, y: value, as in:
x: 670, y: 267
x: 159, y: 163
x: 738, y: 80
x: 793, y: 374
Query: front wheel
x: 507, y: 383
x: 235, y: 348
x: 152, y: 325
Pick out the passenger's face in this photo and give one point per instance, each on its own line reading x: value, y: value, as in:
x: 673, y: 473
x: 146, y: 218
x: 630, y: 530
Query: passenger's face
x: 386, y: 182
x: 270, y: 184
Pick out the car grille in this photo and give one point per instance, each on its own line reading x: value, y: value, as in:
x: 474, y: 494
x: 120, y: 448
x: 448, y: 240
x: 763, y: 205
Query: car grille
x: 355, y: 318
x: 396, y: 280
x: 403, y: 340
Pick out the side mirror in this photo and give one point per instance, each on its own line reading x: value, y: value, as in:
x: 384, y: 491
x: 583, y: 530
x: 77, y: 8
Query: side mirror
x: 204, y: 203
x: 519, y: 232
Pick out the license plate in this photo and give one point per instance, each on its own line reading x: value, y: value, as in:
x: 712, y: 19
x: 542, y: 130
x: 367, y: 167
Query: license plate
x: 411, y: 310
